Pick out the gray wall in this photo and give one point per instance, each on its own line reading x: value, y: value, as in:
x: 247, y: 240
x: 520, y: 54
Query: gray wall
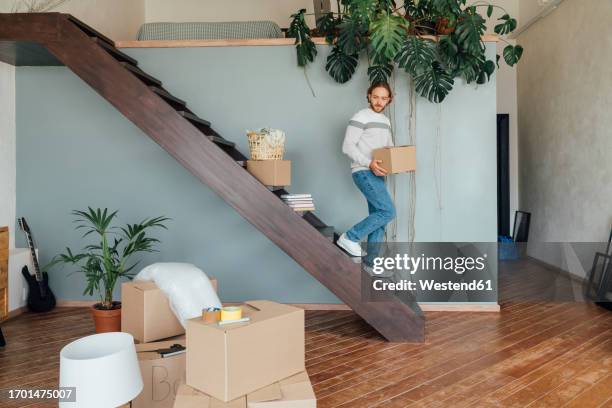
x: 75, y: 150
x: 565, y: 94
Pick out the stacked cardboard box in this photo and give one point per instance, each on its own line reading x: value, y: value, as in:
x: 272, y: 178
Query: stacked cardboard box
x: 271, y: 172
x: 254, y: 364
x: 292, y: 392
x: 147, y: 316
x: 161, y: 376
x: 146, y: 313
x: 257, y: 364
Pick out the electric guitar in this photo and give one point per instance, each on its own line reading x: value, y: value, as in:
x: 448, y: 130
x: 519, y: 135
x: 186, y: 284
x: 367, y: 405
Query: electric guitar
x: 40, y: 297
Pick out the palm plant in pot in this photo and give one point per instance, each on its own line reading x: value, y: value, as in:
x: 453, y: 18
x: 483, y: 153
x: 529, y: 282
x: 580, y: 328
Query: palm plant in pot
x: 105, y: 262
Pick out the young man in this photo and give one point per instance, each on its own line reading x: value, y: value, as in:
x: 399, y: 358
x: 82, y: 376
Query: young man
x: 368, y: 130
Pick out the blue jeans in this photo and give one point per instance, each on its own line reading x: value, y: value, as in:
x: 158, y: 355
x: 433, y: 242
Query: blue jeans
x: 380, y: 208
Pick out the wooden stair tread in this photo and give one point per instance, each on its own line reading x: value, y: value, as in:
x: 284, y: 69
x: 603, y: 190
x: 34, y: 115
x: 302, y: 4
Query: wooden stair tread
x: 90, y: 31
x: 206, y: 124
x: 146, y: 78
x: 118, y: 55
x: 220, y: 140
x: 173, y: 100
x: 193, y: 118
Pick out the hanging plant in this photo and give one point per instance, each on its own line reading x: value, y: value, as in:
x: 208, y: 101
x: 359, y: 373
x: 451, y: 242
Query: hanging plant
x: 434, y: 41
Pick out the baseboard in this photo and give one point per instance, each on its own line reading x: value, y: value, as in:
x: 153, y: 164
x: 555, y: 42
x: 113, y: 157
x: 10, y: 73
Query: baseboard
x: 305, y: 306
x: 426, y: 307
x: 460, y: 307
x: 16, y: 312
x: 76, y: 303
x: 561, y: 271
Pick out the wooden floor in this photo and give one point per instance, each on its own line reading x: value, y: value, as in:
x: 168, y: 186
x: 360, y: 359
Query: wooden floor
x: 533, y: 353
x: 541, y: 354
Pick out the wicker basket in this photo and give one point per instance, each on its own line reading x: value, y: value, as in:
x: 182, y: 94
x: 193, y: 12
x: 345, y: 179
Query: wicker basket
x: 262, y: 150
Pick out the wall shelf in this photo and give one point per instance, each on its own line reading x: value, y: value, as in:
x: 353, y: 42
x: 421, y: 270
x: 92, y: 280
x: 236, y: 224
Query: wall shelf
x: 234, y: 42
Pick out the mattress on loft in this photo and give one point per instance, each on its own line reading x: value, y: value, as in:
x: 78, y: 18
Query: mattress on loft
x: 209, y: 31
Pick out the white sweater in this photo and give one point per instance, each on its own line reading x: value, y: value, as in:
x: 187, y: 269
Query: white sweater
x: 366, y: 132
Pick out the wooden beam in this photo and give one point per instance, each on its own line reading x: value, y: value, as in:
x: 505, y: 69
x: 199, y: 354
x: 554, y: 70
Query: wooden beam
x: 257, y: 42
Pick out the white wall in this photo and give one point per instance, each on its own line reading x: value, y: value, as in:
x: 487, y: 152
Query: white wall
x: 223, y: 10
x: 7, y: 178
x: 565, y: 94
x: 528, y: 9
x: 7, y: 149
x: 117, y: 19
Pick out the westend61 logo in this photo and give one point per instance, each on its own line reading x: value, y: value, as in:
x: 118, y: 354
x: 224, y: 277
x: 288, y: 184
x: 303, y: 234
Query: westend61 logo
x: 430, y: 272
x: 412, y: 264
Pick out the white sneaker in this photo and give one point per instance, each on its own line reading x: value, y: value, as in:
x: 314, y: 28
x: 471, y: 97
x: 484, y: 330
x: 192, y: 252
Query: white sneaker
x: 352, y: 247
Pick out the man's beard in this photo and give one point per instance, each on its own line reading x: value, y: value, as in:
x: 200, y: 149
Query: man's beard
x: 375, y: 109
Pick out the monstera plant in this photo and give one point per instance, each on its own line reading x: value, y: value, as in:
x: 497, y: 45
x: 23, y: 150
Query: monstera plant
x: 434, y: 41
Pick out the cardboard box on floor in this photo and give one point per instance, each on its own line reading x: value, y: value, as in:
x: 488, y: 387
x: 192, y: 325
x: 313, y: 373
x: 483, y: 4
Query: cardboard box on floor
x: 271, y: 172
x: 161, y: 376
x: 296, y: 392
x: 146, y: 313
x: 293, y: 392
x: 233, y: 360
x: 399, y: 159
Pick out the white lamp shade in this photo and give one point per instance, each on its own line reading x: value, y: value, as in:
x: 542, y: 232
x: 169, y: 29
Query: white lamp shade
x: 103, y: 368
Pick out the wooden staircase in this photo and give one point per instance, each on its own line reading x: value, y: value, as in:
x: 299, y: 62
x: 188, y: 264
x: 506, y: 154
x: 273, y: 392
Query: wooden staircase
x: 60, y: 39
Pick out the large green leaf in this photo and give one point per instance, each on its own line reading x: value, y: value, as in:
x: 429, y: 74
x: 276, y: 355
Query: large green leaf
x: 507, y: 25
x: 468, y: 66
x: 447, y: 7
x: 457, y: 61
x: 387, y: 32
x: 306, y: 52
x: 380, y: 72
x: 326, y: 26
x: 341, y: 66
x: 419, y: 9
x: 362, y: 10
x: 352, y: 36
x: 448, y: 46
x: 434, y: 84
x: 387, y: 5
x: 305, y: 47
x: 486, y: 70
x: 416, y: 55
x: 298, y: 28
x: 512, y: 54
x: 470, y: 28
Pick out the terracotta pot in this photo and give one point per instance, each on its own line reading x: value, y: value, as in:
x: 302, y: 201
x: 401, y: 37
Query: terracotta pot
x: 107, y: 320
x: 443, y: 27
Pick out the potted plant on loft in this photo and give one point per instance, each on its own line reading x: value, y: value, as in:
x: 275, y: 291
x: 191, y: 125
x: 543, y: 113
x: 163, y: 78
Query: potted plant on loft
x: 434, y: 41
x: 106, y: 261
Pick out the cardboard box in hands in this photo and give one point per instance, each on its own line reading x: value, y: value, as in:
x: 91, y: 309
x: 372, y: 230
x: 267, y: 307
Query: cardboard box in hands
x: 399, y: 159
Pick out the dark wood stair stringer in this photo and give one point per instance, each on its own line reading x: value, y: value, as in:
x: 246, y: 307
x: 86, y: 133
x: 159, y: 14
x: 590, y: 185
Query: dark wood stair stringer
x: 95, y: 65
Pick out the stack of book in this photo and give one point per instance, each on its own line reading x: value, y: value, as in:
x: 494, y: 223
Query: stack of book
x: 299, y: 202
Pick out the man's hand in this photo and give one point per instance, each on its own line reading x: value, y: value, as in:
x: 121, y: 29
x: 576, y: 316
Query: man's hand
x: 376, y: 169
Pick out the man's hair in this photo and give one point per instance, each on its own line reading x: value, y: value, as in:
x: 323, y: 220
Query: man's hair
x: 380, y: 85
